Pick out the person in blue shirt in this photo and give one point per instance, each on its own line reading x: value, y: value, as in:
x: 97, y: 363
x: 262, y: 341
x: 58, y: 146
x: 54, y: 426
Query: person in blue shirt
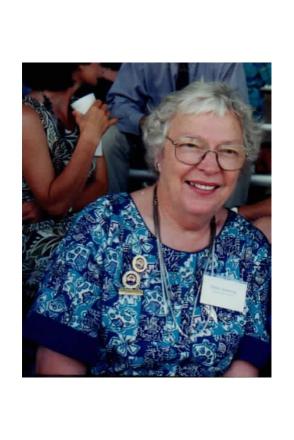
x: 140, y: 87
x: 137, y: 90
x: 164, y: 281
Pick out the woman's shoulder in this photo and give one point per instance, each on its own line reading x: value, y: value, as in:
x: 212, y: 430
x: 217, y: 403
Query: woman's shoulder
x: 115, y: 200
x: 30, y: 107
x: 32, y: 117
x: 101, y: 218
x: 34, y: 110
x: 108, y: 205
x: 244, y: 230
x: 31, y: 101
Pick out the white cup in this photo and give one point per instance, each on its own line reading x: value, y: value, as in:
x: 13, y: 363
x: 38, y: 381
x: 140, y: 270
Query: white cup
x: 82, y: 105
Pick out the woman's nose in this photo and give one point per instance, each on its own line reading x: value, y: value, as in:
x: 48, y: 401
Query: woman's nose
x: 209, y: 162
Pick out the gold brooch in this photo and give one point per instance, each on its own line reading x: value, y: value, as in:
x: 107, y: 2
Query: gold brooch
x: 139, y: 263
x: 131, y: 279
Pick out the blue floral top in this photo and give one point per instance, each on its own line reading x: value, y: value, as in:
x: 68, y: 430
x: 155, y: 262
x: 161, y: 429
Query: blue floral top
x: 80, y: 313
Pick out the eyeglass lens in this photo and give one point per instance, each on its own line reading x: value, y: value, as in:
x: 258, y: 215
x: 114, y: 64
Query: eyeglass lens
x: 190, y: 152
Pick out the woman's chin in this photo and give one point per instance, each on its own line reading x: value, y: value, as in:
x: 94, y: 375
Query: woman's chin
x: 202, y: 205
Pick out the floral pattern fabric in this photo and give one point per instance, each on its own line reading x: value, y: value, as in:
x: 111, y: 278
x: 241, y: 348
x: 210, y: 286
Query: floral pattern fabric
x: 41, y: 238
x: 131, y: 335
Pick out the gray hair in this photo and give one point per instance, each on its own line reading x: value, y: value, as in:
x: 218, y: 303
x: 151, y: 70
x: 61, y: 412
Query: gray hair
x: 197, y: 98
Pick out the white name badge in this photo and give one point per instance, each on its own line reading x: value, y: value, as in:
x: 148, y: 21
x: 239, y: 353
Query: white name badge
x: 221, y: 292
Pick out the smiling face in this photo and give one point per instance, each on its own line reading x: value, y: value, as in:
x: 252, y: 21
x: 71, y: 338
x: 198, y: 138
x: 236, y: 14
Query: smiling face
x: 204, y: 188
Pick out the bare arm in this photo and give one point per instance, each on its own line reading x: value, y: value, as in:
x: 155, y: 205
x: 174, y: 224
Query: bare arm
x: 51, y: 363
x: 109, y: 74
x: 257, y: 210
x: 56, y: 194
x: 94, y: 189
x: 31, y: 212
x: 241, y: 369
x: 265, y: 225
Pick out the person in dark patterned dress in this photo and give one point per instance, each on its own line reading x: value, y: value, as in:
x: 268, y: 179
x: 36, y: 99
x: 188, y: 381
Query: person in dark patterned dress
x: 60, y: 173
x: 164, y: 281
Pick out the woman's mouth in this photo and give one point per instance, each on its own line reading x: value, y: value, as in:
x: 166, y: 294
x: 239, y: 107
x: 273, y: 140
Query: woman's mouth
x: 206, y: 187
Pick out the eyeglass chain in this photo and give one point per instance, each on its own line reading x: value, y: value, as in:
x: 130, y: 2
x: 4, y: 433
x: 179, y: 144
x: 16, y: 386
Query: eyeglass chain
x: 165, y: 285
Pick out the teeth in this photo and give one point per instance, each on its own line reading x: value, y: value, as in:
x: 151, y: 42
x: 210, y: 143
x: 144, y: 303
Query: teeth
x: 203, y: 187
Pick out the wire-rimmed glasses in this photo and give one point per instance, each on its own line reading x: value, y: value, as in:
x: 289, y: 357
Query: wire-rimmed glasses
x: 191, y: 151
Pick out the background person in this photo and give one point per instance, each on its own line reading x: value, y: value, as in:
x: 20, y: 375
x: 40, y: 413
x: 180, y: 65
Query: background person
x: 60, y: 173
x: 100, y: 89
x: 100, y: 312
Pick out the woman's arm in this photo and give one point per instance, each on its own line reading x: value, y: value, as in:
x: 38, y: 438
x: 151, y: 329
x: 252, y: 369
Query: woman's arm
x: 265, y: 225
x: 51, y: 363
x: 56, y: 194
x: 241, y: 369
x: 257, y: 210
x: 31, y: 212
x: 94, y: 189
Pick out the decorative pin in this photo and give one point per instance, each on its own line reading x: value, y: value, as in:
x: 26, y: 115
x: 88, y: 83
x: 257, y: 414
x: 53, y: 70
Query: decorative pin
x: 130, y: 280
x: 139, y: 263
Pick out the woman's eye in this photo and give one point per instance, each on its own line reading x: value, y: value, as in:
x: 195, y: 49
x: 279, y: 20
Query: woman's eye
x: 229, y: 151
x: 195, y: 146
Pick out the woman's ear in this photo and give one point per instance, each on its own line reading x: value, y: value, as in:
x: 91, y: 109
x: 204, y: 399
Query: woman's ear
x: 158, y: 160
x: 157, y: 166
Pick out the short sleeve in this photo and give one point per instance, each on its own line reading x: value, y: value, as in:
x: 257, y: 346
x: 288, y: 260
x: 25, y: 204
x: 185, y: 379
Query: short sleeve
x: 66, y: 314
x: 255, y: 346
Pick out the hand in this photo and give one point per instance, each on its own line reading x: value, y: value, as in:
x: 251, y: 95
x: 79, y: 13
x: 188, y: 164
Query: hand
x: 31, y: 212
x: 95, y: 122
x: 109, y: 74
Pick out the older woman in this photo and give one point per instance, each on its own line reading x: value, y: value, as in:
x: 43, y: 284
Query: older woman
x: 164, y: 281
